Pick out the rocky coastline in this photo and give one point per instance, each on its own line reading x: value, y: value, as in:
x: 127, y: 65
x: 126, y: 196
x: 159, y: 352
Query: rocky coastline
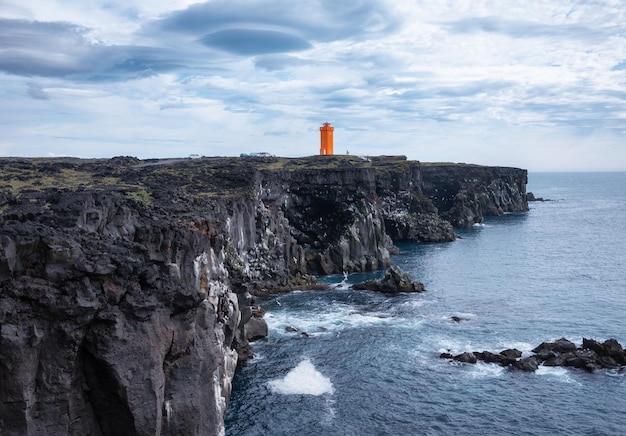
x: 592, y: 355
x: 127, y: 286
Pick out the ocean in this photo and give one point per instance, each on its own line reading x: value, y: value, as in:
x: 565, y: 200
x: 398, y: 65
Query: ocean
x: 363, y: 363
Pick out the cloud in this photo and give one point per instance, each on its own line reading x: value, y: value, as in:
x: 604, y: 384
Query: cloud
x: 527, y: 29
x: 254, y: 42
x: 58, y: 49
x: 37, y: 92
x: 315, y: 20
x: 449, y: 80
x: 43, y: 49
x: 32, y: 48
x: 276, y: 62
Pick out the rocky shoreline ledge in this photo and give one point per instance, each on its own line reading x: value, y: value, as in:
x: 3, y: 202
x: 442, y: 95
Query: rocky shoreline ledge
x: 127, y: 286
x: 592, y: 355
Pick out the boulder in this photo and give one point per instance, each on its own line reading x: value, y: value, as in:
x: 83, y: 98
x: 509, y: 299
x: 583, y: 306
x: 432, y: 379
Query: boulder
x: 395, y: 280
x: 559, y: 346
x: 489, y: 357
x: 256, y: 328
x: 610, y: 350
x: 511, y: 353
x: 613, y: 349
x: 466, y: 357
x: 528, y: 364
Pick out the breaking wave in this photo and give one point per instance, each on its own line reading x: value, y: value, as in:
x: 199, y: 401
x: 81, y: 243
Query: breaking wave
x: 304, y: 379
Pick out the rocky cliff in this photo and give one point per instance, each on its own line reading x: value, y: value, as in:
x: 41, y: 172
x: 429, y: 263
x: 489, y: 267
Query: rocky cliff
x: 126, y: 286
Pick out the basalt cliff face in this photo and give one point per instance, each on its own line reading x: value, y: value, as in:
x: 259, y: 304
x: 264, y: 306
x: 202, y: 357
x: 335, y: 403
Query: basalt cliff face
x: 126, y: 286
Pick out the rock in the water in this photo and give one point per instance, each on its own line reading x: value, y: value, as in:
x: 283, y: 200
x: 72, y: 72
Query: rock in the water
x: 559, y: 346
x: 395, y: 280
x: 531, y: 197
x: 529, y: 364
x: 609, y: 349
x: 489, y: 357
x: 562, y: 352
x: 466, y: 357
x: 511, y: 353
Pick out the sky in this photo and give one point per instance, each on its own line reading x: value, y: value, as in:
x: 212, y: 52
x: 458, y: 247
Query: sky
x: 535, y: 84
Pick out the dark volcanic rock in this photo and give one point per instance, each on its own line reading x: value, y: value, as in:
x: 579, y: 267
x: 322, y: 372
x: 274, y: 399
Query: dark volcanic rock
x: 511, y: 354
x: 466, y: 357
x: 609, y: 348
x: 465, y: 194
x: 531, y: 197
x: 118, y: 323
x: 394, y: 280
x: 562, y: 352
x: 559, y: 346
x: 126, y: 286
x: 529, y: 364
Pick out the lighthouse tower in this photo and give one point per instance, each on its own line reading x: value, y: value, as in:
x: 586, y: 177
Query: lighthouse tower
x: 326, y: 139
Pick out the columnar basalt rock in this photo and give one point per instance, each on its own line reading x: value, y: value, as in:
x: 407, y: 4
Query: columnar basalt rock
x: 335, y: 218
x: 409, y: 215
x: 465, y: 194
x: 127, y: 287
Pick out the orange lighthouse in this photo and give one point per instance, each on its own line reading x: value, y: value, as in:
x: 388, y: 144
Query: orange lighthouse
x: 326, y: 139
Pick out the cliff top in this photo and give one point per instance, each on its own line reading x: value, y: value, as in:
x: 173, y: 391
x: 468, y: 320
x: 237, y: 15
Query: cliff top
x: 199, y: 177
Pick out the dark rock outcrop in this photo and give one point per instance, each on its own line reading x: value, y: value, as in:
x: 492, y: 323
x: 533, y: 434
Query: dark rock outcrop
x: 393, y: 281
x: 531, y: 197
x: 562, y: 352
x: 465, y: 194
x: 409, y: 215
x: 126, y: 286
x: 113, y: 320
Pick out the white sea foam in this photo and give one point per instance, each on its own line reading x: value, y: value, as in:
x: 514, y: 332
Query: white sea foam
x: 558, y: 373
x: 329, y: 416
x: 463, y: 316
x: 551, y: 371
x: 304, y: 379
x: 343, y: 285
x: 485, y: 370
x: 341, y: 317
x: 414, y: 304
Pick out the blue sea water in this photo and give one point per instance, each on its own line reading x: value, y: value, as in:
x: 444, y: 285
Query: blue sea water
x: 370, y: 364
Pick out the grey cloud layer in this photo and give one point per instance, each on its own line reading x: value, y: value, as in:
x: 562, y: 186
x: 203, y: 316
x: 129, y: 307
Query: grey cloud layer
x: 528, y: 29
x: 59, y: 49
x: 315, y: 20
x: 249, y: 42
x: 31, y: 48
